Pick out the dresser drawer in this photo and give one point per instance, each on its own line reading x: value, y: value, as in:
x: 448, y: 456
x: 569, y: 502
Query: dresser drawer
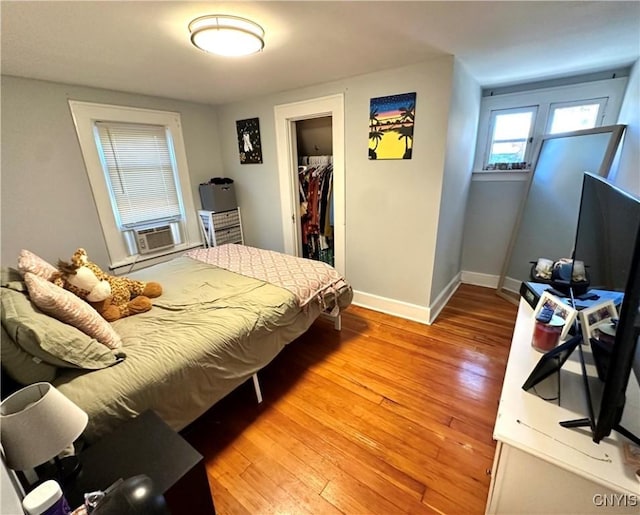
x: 228, y: 235
x: 221, y: 228
x: 225, y: 219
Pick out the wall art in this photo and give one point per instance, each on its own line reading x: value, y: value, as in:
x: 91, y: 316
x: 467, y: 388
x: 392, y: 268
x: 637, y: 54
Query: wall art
x: 391, y: 121
x: 249, y: 141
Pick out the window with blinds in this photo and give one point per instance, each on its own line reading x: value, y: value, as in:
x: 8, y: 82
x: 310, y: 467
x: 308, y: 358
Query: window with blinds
x: 137, y: 167
x: 140, y: 172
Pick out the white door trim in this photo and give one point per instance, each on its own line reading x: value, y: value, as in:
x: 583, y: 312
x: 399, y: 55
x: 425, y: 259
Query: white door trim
x: 285, y: 116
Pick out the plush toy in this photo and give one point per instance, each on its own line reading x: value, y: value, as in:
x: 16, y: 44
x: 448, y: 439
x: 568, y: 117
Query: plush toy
x: 113, y: 297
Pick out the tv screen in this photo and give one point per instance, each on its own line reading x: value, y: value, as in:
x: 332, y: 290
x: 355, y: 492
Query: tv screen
x: 622, y: 358
x: 606, y: 233
x: 608, y: 242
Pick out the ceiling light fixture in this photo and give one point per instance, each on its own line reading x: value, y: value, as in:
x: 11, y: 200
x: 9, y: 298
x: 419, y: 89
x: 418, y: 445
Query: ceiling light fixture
x: 229, y: 36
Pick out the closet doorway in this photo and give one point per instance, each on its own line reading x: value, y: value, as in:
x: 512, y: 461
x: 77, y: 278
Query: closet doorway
x: 303, y: 118
x: 315, y: 186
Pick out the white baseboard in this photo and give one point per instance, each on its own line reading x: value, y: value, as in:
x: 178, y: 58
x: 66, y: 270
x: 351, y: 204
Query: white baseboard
x: 443, y: 298
x: 512, y: 284
x: 392, y: 307
x: 427, y: 315
x: 478, y: 279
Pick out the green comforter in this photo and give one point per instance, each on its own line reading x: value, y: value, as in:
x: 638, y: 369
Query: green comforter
x: 209, y: 331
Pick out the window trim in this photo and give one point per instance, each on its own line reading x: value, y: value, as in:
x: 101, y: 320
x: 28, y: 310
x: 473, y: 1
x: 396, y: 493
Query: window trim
x: 533, y: 109
x: 84, y: 115
x: 602, y: 109
x: 613, y: 88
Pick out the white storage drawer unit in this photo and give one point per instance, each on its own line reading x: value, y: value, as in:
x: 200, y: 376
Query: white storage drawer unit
x: 220, y: 228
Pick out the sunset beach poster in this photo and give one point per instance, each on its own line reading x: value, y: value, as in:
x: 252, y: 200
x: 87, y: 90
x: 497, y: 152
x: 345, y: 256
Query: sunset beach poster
x: 391, y: 122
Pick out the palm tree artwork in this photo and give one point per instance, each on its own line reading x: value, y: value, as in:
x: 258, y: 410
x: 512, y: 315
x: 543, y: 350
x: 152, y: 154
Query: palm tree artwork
x: 391, y: 121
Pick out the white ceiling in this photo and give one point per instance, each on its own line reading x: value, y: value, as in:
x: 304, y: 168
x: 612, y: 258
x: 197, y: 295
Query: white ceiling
x: 144, y: 47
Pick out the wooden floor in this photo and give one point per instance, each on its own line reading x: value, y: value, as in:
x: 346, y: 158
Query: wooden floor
x: 387, y: 416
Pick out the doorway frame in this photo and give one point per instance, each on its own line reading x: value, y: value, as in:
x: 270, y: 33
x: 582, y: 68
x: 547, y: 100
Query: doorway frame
x: 285, y: 117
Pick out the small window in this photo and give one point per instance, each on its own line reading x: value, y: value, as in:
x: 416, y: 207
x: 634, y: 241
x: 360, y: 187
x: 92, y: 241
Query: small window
x: 511, y: 133
x: 140, y: 172
x: 574, y: 116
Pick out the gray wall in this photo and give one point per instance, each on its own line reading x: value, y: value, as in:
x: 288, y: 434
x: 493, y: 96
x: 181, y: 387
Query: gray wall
x: 626, y: 169
x: 461, y: 139
x: 392, y: 207
x: 47, y: 205
x: 492, y: 207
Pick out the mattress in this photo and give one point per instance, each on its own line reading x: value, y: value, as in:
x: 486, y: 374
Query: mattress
x: 209, y: 332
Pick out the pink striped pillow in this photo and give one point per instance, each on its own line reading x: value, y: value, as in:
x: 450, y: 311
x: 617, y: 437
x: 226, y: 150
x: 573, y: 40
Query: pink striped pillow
x: 68, y: 308
x: 29, y: 262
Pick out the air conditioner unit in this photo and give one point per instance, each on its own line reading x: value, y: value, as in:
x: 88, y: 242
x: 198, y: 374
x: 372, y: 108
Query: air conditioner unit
x: 154, y: 238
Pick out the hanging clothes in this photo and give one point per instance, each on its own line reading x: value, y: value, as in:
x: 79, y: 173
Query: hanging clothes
x: 315, y: 179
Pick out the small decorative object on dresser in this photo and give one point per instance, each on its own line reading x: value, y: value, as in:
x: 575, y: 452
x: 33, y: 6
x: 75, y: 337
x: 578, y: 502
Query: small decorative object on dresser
x: 594, y: 319
x: 560, y: 309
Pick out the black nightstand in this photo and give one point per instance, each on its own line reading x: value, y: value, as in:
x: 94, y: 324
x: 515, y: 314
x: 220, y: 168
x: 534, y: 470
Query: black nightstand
x: 146, y: 445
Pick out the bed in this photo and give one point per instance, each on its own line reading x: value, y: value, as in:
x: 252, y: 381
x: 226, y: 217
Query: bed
x: 224, y: 314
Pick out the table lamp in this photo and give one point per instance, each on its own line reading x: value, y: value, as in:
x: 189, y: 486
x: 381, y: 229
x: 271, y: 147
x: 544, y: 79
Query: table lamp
x: 36, y: 424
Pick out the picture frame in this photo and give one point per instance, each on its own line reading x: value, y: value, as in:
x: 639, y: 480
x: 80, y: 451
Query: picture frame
x: 560, y: 308
x: 596, y: 316
x: 551, y: 362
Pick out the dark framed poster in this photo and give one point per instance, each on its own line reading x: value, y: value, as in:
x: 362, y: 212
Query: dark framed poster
x: 249, y: 141
x: 391, y: 122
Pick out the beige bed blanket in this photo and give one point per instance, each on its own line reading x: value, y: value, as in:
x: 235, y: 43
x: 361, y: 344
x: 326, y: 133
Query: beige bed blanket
x: 208, y: 333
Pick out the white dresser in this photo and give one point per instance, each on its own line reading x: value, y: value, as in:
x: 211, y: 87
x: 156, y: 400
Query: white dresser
x: 222, y: 227
x: 541, y: 467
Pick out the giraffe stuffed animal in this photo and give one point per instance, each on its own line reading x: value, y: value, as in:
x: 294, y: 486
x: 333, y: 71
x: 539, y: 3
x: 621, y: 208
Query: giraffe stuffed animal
x: 113, y: 297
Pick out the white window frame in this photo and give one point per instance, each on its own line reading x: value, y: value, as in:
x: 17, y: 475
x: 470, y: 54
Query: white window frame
x: 492, y: 123
x: 85, y: 114
x: 602, y: 107
x: 612, y: 89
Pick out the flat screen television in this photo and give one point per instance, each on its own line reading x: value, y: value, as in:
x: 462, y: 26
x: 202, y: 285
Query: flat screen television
x: 608, y: 242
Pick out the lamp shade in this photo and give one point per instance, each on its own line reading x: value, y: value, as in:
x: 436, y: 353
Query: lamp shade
x: 36, y: 424
x: 225, y: 35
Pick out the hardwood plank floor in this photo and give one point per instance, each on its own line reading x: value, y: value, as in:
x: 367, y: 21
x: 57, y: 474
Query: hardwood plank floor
x: 386, y: 416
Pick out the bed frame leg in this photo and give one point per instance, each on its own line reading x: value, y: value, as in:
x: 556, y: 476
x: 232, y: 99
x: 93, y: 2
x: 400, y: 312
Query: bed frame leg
x: 337, y: 323
x: 256, y: 387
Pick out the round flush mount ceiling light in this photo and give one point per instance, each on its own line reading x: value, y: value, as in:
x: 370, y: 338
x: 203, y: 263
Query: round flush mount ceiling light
x: 224, y: 35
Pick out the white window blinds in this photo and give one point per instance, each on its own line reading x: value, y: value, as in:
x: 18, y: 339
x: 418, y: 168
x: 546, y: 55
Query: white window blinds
x: 139, y: 170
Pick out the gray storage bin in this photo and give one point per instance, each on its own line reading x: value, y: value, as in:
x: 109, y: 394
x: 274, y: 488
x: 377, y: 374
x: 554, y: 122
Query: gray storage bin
x: 218, y: 197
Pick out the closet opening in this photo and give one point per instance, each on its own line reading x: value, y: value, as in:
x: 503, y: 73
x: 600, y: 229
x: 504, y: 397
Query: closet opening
x: 314, y: 146
x: 320, y: 122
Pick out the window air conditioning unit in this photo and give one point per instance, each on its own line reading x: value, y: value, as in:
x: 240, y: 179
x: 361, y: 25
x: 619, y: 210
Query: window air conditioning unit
x: 154, y: 238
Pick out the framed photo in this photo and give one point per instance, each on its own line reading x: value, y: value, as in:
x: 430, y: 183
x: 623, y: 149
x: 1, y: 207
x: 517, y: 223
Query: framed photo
x: 551, y: 362
x: 567, y: 313
x: 597, y: 316
x: 249, y: 146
